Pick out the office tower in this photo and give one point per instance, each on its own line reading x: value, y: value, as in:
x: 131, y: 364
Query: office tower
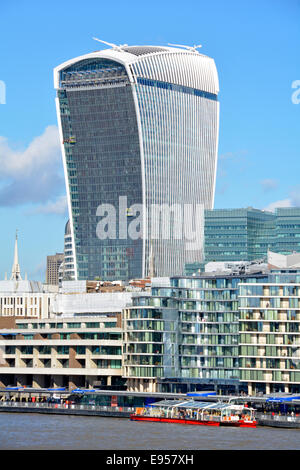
x: 53, y: 264
x: 139, y: 132
x: 246, y: 234
x: 242, y: 234
x: 287, y: 231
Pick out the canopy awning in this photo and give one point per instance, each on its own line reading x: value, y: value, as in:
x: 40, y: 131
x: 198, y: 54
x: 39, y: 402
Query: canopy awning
x: 62, y: 389
x: 191, y: 404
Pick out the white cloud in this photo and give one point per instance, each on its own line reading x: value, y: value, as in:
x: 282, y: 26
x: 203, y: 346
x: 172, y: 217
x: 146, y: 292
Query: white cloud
x: 292, y: 201
x: 283, y: 203
x: 42, y: 151
x: 33, y: 175
x: 59, y: 206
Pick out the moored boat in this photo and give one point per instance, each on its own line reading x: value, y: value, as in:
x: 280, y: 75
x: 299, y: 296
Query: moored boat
x: 197, y: 413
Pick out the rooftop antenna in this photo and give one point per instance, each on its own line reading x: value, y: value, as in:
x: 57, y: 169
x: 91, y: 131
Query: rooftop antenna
x: 190, y: 48
x: 114, y: 46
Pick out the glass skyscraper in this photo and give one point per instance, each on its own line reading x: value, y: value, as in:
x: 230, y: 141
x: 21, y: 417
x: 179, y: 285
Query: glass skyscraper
x: 139, y: 131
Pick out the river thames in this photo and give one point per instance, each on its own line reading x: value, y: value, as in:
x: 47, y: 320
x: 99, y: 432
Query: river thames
x: 21, y: 431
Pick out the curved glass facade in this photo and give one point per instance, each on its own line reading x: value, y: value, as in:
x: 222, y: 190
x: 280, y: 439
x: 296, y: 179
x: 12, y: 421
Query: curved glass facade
x: 101, y: 147
x: 139, y: 124
x: 178, y: 131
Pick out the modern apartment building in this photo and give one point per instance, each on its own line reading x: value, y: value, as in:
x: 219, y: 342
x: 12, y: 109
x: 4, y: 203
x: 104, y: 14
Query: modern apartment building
x: 270, y: 333
x: 185, y: 336
x: 228, y: 332
x: 139, y: 132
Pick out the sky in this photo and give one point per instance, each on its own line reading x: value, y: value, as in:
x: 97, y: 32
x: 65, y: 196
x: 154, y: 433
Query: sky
x: 256, y: 48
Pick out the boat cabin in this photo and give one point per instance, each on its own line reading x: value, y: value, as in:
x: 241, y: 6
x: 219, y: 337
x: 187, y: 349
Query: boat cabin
x: 197, y: 410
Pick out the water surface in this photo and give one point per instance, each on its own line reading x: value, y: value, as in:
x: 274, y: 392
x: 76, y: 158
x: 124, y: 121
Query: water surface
x: 21, y: 431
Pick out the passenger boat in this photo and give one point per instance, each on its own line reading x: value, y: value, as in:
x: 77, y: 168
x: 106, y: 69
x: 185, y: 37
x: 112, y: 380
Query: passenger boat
x: 197, y: 413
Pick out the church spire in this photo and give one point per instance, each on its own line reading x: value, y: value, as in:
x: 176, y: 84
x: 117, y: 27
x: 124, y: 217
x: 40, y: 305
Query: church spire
x: 16, y: 273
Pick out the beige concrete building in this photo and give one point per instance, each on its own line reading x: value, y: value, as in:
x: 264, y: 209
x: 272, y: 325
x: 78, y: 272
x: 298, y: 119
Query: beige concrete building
x: 73, y: 353
x: 70, y: 338
x: 53, y: 265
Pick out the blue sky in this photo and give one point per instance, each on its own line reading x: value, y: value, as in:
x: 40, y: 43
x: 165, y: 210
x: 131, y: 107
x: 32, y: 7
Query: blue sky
x: 256, y: 47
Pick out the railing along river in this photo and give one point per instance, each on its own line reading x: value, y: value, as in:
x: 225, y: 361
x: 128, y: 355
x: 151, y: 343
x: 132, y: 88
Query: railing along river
x: 261, y: 417
x: 65, y: 406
